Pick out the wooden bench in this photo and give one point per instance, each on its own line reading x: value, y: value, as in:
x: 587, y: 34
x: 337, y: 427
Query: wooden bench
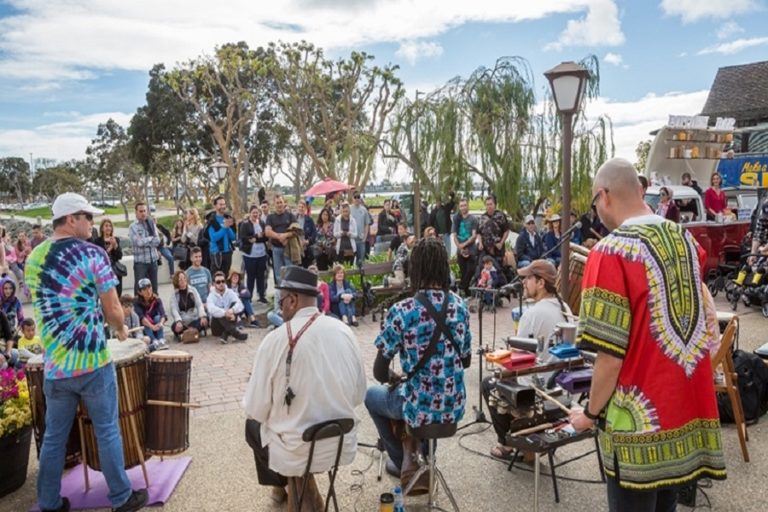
x: 368, y: 270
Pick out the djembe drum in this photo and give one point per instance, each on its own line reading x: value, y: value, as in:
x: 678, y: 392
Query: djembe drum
x: 578, y: 260
x: 35, y: 379
x: 130, y: 362
x: 167, y: 431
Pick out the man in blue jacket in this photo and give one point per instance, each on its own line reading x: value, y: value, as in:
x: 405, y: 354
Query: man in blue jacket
x: 220, y: 232
x: 529, y: 245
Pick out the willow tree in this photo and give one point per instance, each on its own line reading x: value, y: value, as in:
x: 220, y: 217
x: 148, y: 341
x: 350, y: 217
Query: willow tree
x: 424, y: 134
x: 337, y: 108
x: 226, y: 90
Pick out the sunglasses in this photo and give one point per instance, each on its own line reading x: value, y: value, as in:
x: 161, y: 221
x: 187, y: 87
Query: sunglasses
x: 88, y: 216
x: 663, y: 194
x: 282, y: 299
x: 220, y: 281
x: 597, y: 196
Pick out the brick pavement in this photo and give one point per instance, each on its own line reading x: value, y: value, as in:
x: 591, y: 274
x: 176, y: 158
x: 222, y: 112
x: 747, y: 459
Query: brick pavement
x: 220, y: 372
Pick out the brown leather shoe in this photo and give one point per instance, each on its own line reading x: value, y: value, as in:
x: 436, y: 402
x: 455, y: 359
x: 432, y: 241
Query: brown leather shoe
x: 420, y: 487
x: 312, y: 501
x: 278, y: 494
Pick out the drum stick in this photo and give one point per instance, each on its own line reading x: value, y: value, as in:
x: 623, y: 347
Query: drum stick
x: 553, y: 400
x: 531, y: 430
x: 166, y: 403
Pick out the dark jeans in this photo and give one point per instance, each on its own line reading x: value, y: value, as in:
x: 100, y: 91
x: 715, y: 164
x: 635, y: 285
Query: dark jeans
x: 384, y: 405
x: 467, y: 270
x: 142, y: 270
x: 256, y: 272
x: 630, y: 500
x: 501, y: 422
x: 261, y: 456
x: 223, y: 327
x: 221, y: 261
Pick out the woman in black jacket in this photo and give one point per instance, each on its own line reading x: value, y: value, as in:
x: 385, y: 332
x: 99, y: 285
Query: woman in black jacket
x: 253, y: 244
x: 110, y: 243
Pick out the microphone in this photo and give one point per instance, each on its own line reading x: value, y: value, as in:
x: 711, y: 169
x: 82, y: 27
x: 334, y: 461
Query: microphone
x: 576, y: 225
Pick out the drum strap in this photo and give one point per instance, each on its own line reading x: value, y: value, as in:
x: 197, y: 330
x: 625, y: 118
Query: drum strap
x: 292, y: 341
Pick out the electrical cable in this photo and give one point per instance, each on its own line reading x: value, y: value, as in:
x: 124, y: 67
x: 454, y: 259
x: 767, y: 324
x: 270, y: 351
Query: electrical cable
x: 359, y: 487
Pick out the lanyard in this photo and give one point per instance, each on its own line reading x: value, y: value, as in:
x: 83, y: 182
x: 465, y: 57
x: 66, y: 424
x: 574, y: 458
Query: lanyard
x: 292, y: 341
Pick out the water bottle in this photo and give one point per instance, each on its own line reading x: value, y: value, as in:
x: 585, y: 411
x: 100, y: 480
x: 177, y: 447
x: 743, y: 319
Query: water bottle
x: 399, y: 503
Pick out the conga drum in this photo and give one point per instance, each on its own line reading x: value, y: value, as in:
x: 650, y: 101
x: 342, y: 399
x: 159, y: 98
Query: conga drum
x: 35, y: 379
x: 168, y: 395
x: 130, y: 362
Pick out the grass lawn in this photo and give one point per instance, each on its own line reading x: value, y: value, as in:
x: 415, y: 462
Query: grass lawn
x: 44, y: 212
x: 166, y: 220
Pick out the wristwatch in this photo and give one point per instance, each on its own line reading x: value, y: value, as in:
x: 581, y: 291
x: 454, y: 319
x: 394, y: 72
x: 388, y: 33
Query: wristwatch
x: 589, y: 415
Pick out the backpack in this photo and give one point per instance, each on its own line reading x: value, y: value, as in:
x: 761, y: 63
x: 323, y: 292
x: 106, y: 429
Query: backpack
x: 752, y: 379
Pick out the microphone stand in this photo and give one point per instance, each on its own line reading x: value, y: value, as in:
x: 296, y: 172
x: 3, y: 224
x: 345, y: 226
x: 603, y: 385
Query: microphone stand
x: 478, y: 409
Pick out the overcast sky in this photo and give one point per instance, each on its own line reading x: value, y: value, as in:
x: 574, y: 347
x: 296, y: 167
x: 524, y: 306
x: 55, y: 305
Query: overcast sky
x: 68, y: 65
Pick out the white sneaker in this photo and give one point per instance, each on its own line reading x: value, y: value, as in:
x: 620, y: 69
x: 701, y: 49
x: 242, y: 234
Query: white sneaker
x: 161, y: 345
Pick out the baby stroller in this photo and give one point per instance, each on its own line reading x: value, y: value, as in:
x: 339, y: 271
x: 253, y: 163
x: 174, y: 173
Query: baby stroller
x: 723, y: 276
x: 750, y: 285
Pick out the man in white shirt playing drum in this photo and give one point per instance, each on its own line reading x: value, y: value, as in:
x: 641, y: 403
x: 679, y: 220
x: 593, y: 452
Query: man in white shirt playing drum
x: 305, y: 372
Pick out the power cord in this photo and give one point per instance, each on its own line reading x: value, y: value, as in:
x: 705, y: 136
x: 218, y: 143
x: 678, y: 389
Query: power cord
x: 358, y: 487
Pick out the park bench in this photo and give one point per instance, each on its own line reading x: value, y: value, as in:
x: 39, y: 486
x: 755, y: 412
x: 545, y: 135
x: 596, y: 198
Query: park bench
x: 367, y: 271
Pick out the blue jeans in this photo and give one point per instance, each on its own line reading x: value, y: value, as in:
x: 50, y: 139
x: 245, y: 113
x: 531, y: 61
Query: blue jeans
x: 158, y: 335
x: 275, y: 319
x: 384, y: 405
x: 247, y: 307
x: 360, y: 251
x: 99, y: 392
x: 166, y: 253
x: 347, y: 310
x: 523, y: 263
x: 279, y: 261
x: 141, y: 270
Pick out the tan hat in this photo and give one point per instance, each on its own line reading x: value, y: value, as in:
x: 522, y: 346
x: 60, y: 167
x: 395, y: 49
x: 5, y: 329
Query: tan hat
x: 540, y: 268
x: 554, y: 218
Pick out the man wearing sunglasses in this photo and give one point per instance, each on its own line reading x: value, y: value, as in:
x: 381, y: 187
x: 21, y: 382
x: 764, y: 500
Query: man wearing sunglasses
x: 224, y: 306
x: 652, y: 396
x: 73, y: 292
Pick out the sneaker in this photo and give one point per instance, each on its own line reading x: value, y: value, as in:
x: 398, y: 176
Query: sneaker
x: 255, y: 323
x: 241, y: 336
x: 263, y: 300
x: 161, y: 345
x: 224, y: 340
x: 63, y: 508
x: 136, y: 501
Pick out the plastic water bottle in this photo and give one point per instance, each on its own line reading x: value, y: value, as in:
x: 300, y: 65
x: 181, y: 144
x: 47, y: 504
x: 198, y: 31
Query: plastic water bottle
x: 399, y: 503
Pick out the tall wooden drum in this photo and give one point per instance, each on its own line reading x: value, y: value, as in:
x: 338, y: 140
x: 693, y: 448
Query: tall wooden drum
x: 35, y: 379
x: 578, y: 260
x: 130, y: 362
x: 168, y: 393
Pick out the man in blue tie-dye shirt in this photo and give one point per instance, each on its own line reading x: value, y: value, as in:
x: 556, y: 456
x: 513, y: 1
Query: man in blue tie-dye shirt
x: 73, y: 292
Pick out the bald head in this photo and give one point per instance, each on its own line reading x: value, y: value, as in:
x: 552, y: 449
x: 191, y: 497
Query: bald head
x: 620, y: 178
x: 618, y: 193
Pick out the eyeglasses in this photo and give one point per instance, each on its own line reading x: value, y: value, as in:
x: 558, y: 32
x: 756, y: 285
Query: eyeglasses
x: 597, y: 196
x: 220, y: 281
x: 88, y: 216
x: 282, y: 299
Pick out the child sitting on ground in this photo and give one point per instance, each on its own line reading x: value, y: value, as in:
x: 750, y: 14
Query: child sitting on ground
x: 29, y: 343
x: 149, y: 308
x: 131, y: 319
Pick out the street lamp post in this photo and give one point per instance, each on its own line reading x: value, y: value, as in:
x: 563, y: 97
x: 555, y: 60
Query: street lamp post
x: 567, y: 80
x: 220, y: 169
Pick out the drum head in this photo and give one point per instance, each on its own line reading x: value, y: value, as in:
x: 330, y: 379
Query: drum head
x: 159, y: 356
x: 35, y: 363
x: 124, y: 352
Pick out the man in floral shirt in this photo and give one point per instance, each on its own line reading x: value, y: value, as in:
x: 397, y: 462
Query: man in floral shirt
x: 434, y: 393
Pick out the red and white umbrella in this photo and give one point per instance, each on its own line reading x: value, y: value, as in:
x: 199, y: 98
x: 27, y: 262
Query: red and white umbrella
x: 327, y: 186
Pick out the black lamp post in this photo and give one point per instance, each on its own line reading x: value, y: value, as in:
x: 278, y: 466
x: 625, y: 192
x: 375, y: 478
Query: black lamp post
x: 568, y: 81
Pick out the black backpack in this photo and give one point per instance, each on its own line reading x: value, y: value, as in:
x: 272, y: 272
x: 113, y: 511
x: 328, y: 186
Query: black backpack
x: 752, y: 379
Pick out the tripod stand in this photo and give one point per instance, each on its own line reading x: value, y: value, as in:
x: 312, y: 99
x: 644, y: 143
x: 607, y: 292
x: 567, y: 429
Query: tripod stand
x: 478, y: 409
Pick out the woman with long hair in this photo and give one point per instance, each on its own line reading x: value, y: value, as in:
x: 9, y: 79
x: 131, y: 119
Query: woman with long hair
x: 110, y: 243
x: 667, y: 207
x: 190, y: 235
x: 187, y: 308
x: 325, y: 244
x: 552, y: 238
x: 342, y: 295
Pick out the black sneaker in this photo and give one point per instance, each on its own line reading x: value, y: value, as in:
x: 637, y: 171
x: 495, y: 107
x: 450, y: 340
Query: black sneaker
x: 63, y: 508
x: 136, y: 501
x: 242, y: 336
x: 263, y: 300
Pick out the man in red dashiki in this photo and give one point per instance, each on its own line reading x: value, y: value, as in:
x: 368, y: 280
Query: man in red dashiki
x: 652, y: 391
